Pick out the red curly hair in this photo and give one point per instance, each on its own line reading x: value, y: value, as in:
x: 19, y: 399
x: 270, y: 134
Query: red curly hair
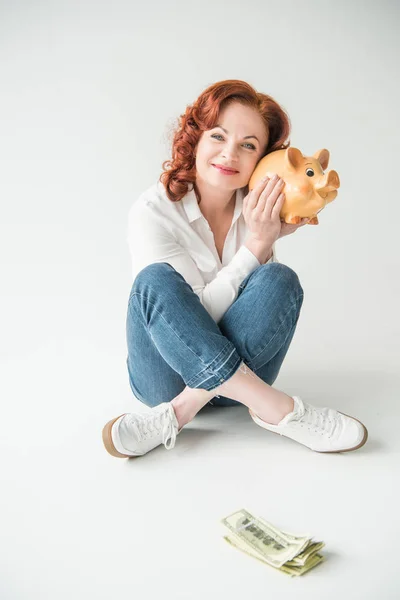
x: 202, y: 115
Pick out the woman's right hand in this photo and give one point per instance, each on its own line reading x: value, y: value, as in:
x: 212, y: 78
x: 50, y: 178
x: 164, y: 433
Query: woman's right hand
x: 261, y: 210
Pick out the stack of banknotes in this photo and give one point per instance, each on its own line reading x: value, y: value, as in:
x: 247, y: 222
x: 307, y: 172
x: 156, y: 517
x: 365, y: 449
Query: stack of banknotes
x: 258, y: 538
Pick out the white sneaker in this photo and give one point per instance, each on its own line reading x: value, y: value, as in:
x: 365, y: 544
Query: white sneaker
x: 320, y: 429
x: 134, y: 434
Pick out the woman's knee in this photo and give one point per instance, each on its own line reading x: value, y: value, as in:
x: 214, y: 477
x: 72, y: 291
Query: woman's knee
x: 285, y: 275
x: 156, y: 273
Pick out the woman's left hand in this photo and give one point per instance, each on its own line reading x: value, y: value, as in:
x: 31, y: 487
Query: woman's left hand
x: 288, y: 228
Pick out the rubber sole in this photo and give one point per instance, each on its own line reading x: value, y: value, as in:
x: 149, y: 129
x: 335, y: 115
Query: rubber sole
x: 355, y: 447
x: 328, y: 451
x: 108, y: 442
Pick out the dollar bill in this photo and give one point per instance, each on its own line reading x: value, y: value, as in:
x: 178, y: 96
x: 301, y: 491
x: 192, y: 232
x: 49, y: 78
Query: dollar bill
x: 293, y: 571
x: 309, y: 550
x: 293, y: 555
x: 264, y: 539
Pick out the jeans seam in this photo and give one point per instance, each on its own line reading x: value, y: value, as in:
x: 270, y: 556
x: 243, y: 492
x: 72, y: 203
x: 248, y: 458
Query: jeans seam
x: 200, y: 359
x: 276, y: 333
x: 213, y: 374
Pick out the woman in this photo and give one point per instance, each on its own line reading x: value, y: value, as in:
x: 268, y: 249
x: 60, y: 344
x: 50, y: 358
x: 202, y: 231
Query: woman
x: 212, y: 312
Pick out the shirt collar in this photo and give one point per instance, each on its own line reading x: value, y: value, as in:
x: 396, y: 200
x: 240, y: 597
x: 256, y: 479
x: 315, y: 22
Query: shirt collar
x: 192, y: 209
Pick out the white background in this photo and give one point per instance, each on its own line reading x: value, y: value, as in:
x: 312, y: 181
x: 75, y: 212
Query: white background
x: 90, y: 93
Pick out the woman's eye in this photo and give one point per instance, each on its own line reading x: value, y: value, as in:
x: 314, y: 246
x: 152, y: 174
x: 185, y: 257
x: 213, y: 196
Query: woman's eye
x: 215, y: 135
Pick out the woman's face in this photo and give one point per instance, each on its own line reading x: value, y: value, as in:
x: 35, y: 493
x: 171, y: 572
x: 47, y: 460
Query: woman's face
x: 239, y: 147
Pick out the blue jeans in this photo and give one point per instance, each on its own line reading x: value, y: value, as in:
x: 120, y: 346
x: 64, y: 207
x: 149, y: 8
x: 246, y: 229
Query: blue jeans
x: 173, y: 342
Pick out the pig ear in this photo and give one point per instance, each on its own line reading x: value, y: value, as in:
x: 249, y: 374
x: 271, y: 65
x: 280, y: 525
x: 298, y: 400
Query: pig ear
x: 322, y: 157
x: 293, y: 158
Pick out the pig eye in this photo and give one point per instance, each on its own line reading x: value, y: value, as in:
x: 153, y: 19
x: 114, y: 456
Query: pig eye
x: 310, y: 172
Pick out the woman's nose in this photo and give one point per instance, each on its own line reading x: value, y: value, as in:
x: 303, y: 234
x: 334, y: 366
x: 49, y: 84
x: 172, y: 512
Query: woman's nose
x: 230, y: 152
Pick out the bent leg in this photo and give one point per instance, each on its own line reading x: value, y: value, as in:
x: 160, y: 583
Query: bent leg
x: 172, y: 340
x: 262, y: 321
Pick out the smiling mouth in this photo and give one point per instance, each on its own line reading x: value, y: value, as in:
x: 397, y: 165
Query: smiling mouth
x: 226, y: 170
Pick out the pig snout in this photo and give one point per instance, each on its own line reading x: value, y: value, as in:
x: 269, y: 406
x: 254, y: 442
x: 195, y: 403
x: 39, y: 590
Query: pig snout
x: 329, y: 183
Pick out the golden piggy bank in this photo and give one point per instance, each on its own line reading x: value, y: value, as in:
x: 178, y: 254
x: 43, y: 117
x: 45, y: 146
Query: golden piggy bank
x: 307, y: 187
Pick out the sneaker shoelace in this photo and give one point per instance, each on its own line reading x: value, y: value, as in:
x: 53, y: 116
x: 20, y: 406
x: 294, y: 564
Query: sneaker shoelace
x: 151, y: 425
x: 326, y: 421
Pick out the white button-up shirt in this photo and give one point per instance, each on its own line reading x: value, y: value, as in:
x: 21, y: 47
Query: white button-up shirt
x: 178, y: 233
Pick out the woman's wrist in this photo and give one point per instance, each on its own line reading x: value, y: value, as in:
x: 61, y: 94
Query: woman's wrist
x: 261, y: 250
